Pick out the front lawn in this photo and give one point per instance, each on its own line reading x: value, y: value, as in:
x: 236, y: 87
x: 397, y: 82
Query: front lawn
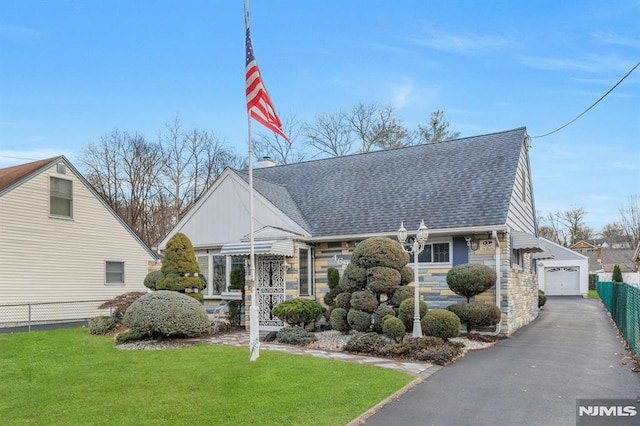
x: 71, y: 377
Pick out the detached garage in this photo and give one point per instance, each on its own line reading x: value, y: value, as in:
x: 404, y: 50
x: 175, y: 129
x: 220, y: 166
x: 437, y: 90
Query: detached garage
x: 561, y: 271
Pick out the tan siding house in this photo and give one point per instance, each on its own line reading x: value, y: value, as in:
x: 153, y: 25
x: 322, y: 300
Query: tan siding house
x: 60, y: 241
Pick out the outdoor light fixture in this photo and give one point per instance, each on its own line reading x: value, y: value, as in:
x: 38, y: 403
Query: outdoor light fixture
x: 415, y: 248
x: 474, y: 244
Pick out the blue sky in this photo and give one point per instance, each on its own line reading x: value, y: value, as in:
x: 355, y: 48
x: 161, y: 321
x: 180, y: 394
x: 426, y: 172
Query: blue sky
x: 73, y: 71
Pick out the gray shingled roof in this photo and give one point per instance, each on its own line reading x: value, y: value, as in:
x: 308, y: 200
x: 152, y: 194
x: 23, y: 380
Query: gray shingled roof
x: 459, y: 183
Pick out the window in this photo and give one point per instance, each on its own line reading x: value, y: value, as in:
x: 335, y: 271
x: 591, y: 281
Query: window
x: 60, y: 197
x: 216, y: 269
x: 434, y: 253
x: 114, y: 272
x: 305, y: 275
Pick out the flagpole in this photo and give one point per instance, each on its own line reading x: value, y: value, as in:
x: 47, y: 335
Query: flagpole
x: 254, y: 334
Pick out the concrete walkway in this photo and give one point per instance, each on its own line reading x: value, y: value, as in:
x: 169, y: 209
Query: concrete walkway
x: 533, y: 378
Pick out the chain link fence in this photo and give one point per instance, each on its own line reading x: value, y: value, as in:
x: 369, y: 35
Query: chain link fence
x: 623, y: 302
x: 43, y: 315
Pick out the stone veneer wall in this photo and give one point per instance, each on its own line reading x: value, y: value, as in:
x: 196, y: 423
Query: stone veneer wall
x: 522, y: 297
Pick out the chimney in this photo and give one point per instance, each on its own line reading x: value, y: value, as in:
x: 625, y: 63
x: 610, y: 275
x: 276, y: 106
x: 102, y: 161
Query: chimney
x: 265, y: 162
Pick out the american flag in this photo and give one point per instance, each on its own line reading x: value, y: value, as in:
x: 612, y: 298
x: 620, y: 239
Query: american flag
x: 258, y: 102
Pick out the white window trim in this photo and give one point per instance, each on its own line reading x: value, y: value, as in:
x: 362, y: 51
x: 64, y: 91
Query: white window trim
x: 56, y: 216
x: 124, y: 273
x: 228, y: 265
x: 310, y: 270
x: 437, y: 264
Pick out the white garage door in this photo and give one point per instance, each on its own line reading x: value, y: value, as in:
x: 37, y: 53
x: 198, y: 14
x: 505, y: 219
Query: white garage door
x: 562, y: 281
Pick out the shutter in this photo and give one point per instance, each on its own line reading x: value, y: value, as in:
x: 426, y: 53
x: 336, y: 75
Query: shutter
x: 460, y: 251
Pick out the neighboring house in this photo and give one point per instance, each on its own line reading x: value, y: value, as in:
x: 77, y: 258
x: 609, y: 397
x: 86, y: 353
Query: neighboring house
x: 562, y: 271
x: 474, y: 194
x: 61, y: 242
x: 585, y: 246
x: 602, y: 261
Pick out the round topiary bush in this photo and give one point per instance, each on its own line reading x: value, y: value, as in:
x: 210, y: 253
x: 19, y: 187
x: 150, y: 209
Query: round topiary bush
x: 369, y: 343
x: 338, y: 320
x: 298, y: 311
x: 542, y: 298
x: 393, y: 328
x: 441, y: 323
x: 470, y: 279
x: 381, y: 279
x: 101, y: 324
x: 379, y: 251
x: 353, y: 279
x: 405, y: 312
x: 474, y: 315
x: 364, y: 300
x: 152, y: 278
x: 401, y: 294
x: 330, y: 296
x: 180, y: 268
x: 343, y: 300
x: 359, y: 320
x: 379, y: 314
x: 406, y: 275
x: 167, y: 313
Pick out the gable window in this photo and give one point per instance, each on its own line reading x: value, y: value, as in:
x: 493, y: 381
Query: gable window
x: 114, y: 272
x: 60, y: 197
x: 434, y: 253
x: 305, y: 273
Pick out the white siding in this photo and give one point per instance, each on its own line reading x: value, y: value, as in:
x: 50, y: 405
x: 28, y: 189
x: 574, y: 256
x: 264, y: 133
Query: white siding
x: 521, y: 214
x: 222, y: 215
x: 50, y: 259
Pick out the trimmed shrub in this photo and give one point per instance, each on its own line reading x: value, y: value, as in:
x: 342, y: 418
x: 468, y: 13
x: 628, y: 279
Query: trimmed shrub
x: 617, y: 274
x: 440, y: 323
x: 364, y: 300
x: 379, y: 314
x: 101, y: 324
x: 542, y: 298
x: 369, y: 343
x: 180, y: 268
x: 393, y: 328
x: 470, y: 279
x: 379, y: 251
x: 406, y: 275
x: 476, y: 315
x: 131, y: 336
x: 338, y: 320
x: 236, y: 279
x: 121, y: 303
x: 295, y: 336
x: 298, y: 311
x: 381, y: 279
x: 353, y: 279
x: 428, y: 348
x: 359, y: 320
x: 333, y: 277
x: 343, y: 300
x: 167, y: 313
x: 405, y: 312
x: 152, y: 278
x: 236, y: 282
x: 401, y: 294
x: 330, y: 296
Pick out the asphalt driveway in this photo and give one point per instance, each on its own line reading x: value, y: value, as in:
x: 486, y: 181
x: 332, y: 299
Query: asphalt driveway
x: 570, y: 351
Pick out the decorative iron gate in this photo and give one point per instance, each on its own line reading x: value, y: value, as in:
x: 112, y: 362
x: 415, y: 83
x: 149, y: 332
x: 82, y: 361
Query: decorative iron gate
x: 271, y: 286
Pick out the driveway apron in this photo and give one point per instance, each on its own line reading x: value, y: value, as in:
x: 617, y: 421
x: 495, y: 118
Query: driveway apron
x: 571, y: 351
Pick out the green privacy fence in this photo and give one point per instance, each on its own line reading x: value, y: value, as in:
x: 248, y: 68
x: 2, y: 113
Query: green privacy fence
x: 623, y: 302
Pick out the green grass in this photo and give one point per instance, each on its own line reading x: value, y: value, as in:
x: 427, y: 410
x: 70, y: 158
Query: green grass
x: 593, y: 294
x: 71, y: 377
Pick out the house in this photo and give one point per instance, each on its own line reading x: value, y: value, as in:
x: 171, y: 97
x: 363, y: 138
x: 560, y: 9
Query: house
x: 474, y: 194
x: 603, y: 260
x: 562, y: 271
x: 62, y: 243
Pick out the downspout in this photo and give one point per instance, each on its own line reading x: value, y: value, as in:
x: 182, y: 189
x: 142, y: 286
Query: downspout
x: 494, y: 234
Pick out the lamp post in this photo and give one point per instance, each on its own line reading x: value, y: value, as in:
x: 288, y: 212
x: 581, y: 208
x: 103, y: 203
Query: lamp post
x: 416, y: 246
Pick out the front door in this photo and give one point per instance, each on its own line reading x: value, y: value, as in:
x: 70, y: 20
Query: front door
x: 271, y: 286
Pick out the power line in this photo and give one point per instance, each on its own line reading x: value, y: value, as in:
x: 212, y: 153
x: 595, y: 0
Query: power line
x: 17, y: 158
x: 592, y: 105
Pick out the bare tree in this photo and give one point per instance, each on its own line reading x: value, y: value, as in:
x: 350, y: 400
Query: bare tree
x: 376, y: 127
x: 573, y: 219
x: 437, y: 130
x: 329, y: 134
x: 630, y: 219
x: 277, y: 148
x: 614, y: 233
